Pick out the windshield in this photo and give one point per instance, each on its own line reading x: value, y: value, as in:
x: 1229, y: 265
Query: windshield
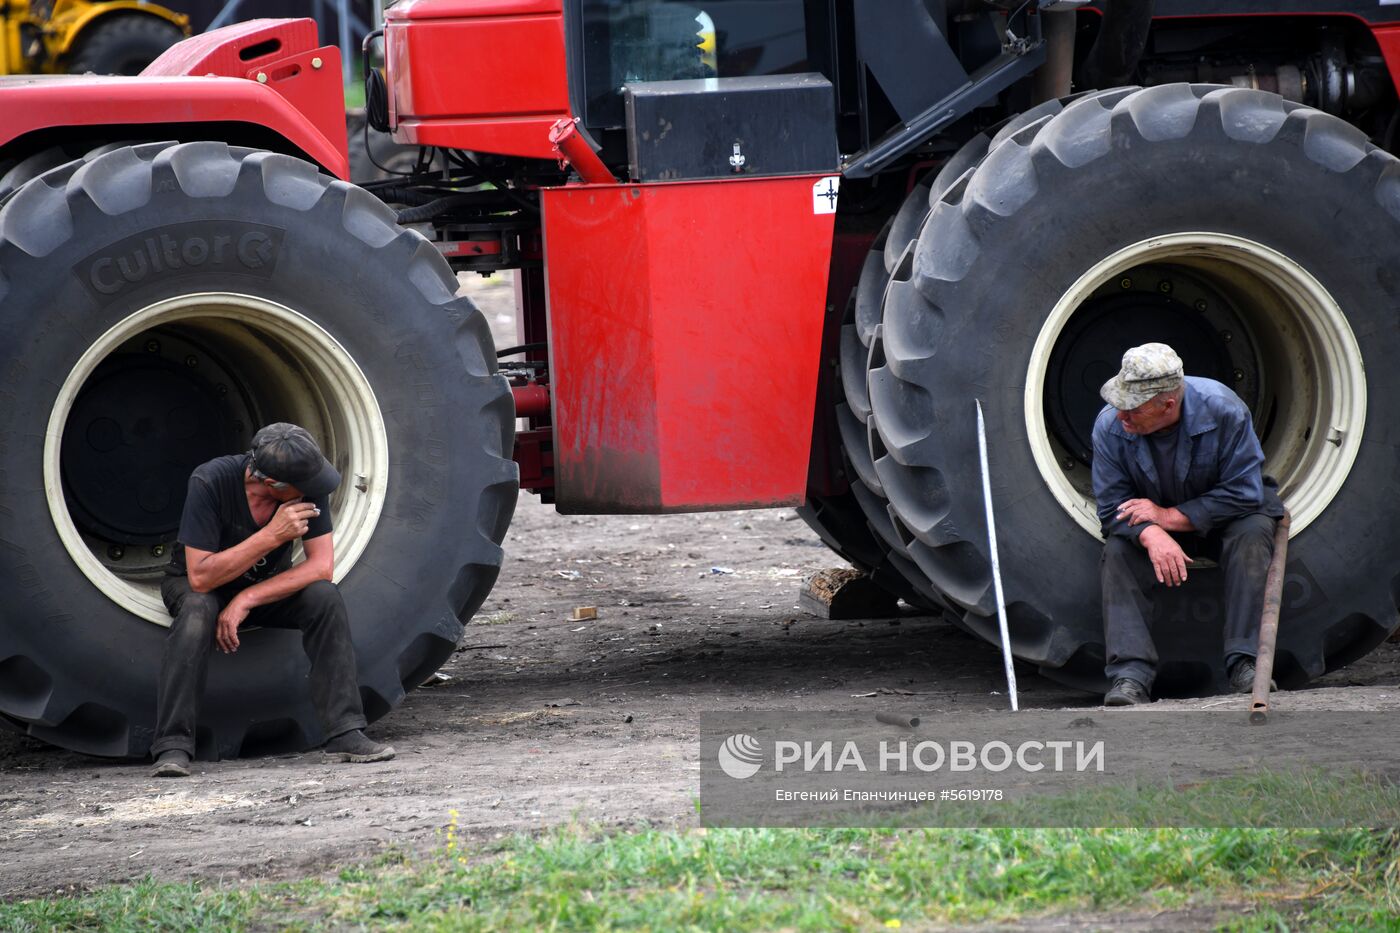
x: 626, y: 41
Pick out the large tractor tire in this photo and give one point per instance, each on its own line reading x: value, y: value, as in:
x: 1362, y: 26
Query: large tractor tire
x: 898, y: 550
x: 122, y: 44
x: 16, y: 173
x: 1258, y: 237
x: 840, y: 522
x: 157, y: 304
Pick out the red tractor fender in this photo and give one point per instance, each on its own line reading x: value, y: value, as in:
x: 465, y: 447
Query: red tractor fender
x: 260, y: 77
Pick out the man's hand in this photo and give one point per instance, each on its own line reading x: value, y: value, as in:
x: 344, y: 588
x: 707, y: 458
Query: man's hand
x: 233, y: 615
x: 1142, y: 511
x: 290, y: 521
x: 1168, y: 559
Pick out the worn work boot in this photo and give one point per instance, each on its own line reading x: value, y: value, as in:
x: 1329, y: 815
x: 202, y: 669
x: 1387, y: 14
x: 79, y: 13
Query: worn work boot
x: 172, y: 763
x: 357, y: 747
x: 1126, y: 692
x: 1242, y: 677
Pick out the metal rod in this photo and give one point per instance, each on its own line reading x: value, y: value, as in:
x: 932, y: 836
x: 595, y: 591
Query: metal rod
x: 225, y: 15
x: 996, y: 560
x: 347, y: 54
x: 1268, y: 623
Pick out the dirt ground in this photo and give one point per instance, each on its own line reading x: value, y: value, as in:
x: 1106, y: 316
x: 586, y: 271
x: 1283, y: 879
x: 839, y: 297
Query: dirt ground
x: 541, y: 720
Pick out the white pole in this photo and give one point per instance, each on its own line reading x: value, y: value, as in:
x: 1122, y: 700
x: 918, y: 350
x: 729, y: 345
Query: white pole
x: 342, y: 19
x: 996, y: 560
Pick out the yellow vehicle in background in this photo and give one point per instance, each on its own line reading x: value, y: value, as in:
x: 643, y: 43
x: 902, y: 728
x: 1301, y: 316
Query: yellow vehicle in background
x: 118, y: 37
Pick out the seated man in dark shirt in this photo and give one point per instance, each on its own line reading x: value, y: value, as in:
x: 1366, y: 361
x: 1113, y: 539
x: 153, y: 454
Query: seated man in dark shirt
x: 1176, y: 462
x: 233, y: 563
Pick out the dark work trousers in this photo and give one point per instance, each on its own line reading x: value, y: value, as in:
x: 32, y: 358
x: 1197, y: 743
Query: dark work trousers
x: 1243, y: 548
x: 317, y: 610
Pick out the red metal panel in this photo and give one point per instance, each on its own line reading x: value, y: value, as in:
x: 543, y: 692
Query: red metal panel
x: 488, y: 76
x: 203, y: 79
x: 1388, y: 38
x: 685, y: 325
x: 223, y: 51
x: 454, y: 9
x: 34, y: 103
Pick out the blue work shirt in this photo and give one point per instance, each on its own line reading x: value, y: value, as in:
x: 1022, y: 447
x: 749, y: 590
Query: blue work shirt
x: 1219, y: 464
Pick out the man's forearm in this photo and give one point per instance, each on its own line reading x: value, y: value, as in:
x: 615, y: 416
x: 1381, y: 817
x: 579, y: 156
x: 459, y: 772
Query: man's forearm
x: 220, y: 567
x: 1167, y: 520
x: 284, y: 584
x: 1173, y: 519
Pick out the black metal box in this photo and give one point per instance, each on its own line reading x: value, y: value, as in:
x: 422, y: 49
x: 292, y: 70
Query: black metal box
x: 718, y: 127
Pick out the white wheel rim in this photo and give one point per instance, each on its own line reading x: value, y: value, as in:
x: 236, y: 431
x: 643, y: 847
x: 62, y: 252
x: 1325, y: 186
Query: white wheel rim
x: 1312, y: 338
x: 333, y: 399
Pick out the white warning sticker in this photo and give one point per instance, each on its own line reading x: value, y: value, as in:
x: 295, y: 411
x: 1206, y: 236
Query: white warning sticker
x: 824, y: 194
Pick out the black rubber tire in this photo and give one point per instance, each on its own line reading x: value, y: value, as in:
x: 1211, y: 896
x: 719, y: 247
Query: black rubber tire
x: 840, y: 522
x: 861, y: 323
x: 857, y: 525
x: 1002, y: 246
x: 74, y: 667
x: 14, y: 173
x: 122, y: 44
x: 31, y: 167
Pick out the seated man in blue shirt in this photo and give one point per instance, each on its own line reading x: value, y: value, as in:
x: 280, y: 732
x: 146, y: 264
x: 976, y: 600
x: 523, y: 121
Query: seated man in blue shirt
x: 1176, y: 462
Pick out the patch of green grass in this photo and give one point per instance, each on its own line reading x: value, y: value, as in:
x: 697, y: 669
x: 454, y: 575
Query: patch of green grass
x: 1268, y: 798
x: 1340, y: 913
x: 801, y: 879
x: 355, y: 94
x: 146, y: 905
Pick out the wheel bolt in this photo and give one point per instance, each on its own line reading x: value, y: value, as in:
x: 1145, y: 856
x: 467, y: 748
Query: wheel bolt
x: 1164, y: 287
x: 158, y: 550
x: 152, y: 346
x: 1226, y: 336
x: 1068, y: 463
x: 1239, y: 375
x: 1200, y: 304
x: 191, y: 361
x: 115, y: 553
x: 221, y: 389
x: 1125, y: 282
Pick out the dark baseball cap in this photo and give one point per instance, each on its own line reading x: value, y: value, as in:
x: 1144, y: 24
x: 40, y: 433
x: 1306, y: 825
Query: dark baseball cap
x: 288, y: 454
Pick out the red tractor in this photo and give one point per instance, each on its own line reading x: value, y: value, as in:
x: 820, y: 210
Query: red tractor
x: 766, y: 254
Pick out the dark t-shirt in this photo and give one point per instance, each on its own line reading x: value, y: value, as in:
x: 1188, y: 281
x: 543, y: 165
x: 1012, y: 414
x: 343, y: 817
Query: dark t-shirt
x: 1164, y: 445
x: 216, y: 518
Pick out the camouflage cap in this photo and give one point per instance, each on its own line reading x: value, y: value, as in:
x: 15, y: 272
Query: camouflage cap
x: 1148, y: 371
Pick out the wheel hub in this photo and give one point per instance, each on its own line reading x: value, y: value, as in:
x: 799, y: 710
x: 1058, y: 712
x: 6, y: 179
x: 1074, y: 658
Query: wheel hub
x: 1150, y: 304
x: 141, y: 424
x: 176, y: 384
x: 1237, y: 311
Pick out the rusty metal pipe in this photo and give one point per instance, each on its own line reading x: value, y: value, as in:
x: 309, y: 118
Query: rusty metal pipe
x: 1268, y: 624
x: 898, y: 719
x: 1053, y: 79
x: 574, y: 150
